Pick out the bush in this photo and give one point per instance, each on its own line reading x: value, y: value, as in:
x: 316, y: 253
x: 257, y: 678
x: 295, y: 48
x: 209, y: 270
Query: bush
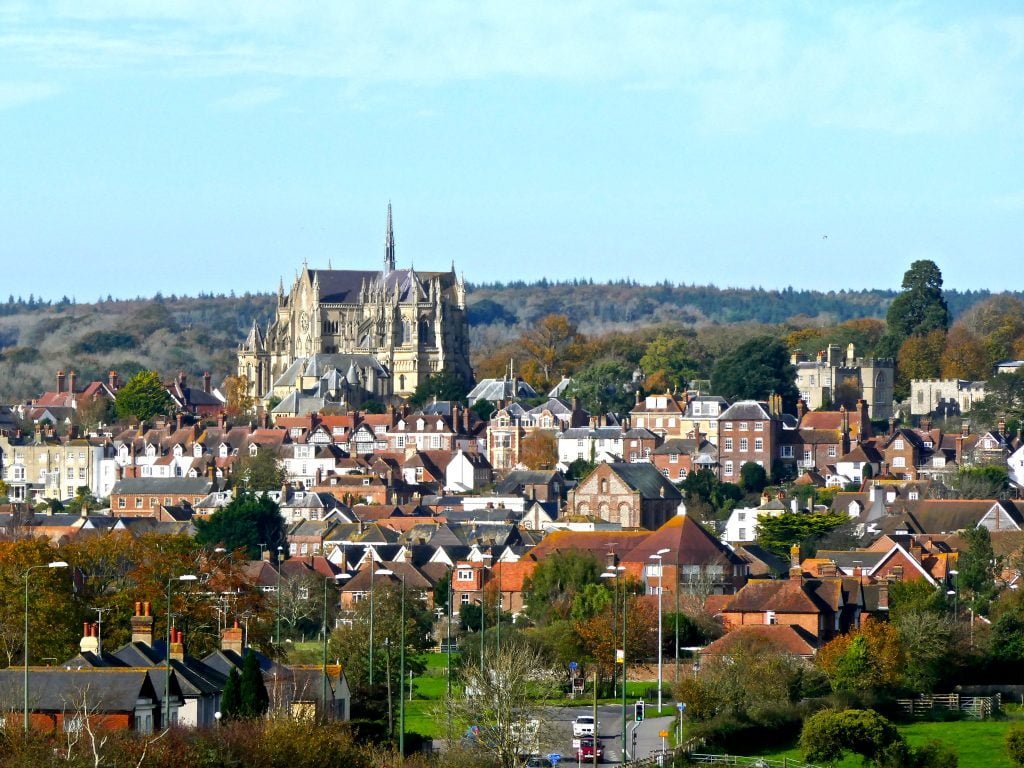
x: 1015, y: 744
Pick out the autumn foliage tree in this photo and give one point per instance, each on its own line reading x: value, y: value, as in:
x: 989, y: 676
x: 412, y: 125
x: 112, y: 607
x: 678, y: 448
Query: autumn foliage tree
x: 871, y: 658
x: 551, y: 347
x: 965, y: 356
x: 539, y: 450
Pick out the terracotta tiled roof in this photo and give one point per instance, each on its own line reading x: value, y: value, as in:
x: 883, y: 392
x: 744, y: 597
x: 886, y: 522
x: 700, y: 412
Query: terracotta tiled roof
x: 512, y: 575
x: 784, y: 638
x: 688, y: 544
x: 784, y: 596
x: 598, y: 542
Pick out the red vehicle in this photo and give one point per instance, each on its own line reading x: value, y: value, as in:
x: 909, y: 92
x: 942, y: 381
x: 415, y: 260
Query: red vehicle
x: 585, y: 753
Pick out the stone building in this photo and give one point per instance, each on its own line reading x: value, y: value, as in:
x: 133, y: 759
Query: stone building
x: 385, y: 330
x: 820, y: 380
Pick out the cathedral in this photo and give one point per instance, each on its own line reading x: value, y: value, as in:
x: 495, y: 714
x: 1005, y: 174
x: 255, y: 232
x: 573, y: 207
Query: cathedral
x: 341, y: 336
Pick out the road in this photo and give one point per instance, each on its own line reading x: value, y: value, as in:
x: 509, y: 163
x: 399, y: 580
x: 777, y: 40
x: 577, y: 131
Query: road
x: 610, y: 718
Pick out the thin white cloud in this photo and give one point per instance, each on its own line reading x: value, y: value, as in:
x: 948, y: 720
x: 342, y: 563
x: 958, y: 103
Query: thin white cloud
x: 249, y: 98
x: 878, y: 68
x: 16, y: 94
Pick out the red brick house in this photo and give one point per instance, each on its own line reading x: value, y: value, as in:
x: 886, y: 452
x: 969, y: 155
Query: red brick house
x: 633, y: 495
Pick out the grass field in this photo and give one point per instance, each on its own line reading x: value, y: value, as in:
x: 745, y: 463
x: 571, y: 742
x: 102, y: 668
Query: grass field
x: 979, y: 744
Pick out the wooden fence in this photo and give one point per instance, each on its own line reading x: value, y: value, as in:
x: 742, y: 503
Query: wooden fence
x: 974, y: 707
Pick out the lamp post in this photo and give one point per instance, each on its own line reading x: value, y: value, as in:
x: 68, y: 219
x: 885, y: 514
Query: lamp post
x: 449, y: 638
x: 954, y: 591
x: 373, y: 568
x: 660, y: 556
x: 338, y: 578
x: 401, y: 683
x: 167, y: 650
x: 54, y: 564
x: 613, y: 573
x: 280, y: 554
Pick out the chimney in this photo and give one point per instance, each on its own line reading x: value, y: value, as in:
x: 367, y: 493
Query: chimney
x: 206, y: 382
x: 883, y: 596
x: 177, y: 650
x: 794, y: 561
x: 801, y: 409
x: 865, y: 422
x: 142, y: 624
x: 72, y: 378
x: 892, y: 425
x: 965, y: 428
x: 180, y: 417
x: 231, y: 639
x: 60, y: 381
x: 1002, y: 425
x: 112, y: 381
x: 211, y: 470
x: 926, y: 424
x: 181, y: 379
x: 90, y: 641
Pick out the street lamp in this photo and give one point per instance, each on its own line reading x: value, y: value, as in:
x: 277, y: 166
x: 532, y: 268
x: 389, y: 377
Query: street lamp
x: 401, y: 667
x: 338, y: 578
x: 54, y: 564
x: 612, y: 572
x: 167, y: 650
x: 660, y: 556
x: 954, y: 573
x: 381, y: 572
x: 280, y: 554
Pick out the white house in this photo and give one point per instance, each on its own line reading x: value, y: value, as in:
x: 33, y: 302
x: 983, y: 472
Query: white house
x: 467, y: 472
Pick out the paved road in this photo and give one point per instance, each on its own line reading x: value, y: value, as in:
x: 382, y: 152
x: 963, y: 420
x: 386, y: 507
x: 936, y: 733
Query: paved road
x: 610, y: 718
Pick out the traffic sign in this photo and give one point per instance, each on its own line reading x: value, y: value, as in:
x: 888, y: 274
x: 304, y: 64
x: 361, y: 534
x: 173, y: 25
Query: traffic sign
x: 681, y: 706
x: 554, y: 757
x: 573, y: 665
x: 663, y: 734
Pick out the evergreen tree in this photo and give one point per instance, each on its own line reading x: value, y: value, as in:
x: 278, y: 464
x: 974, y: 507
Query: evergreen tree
x: 143, y: 397
x: 231, y: 699
x: 246, y: 522
x: 253, y: 693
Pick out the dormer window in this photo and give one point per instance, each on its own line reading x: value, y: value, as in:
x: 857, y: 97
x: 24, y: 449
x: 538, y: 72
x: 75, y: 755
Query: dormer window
x: 420, y: 424
x: 178, y: 451
x: 465, y: 574
x: 439, y: 426
x: 223, y: 452
x: 150, y: 451
x: 253, y: 449
x: 197, y: 450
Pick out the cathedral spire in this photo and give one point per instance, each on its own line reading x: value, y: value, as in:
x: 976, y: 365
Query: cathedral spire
x: 389, y: 246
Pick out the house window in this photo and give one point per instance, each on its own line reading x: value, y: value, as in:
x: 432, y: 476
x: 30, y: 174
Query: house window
x: 464, y: 599
x: 741, y: 516
x: 400, y: 441
x: 832, y: 451
x: 744, y: 426
x: 898, y: 445
x: 744, y: 444
x: 665, y: 472
x: 122, y: 502
x: 465, y: 574
x: 807, y: 457
x: 742, y: 534
x: 682, y: 473
x: 899, y: 461
x: 673, y: 458
x: 138, y: 502
x: 728, y: 468
x: 769, y: 617
x: 728, y: 443
x: 897, y: 572
x: 727, y: 426
x: 758, y: 443
x: 759, y: 426
x: 786, y: 451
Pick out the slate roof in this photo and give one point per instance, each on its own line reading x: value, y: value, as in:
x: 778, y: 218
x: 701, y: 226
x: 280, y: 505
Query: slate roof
x: 519, y: 478
x: 501, y: 389
x: 54, y: 689
x: 165, y: 485
x: 646, y: 479
x: 748, y: 410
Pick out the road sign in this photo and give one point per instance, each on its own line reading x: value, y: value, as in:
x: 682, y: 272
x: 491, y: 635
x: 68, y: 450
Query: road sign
x: 620, y: 656
x: 573, y: 665
x: 554, y: 757
x: 663, y: 734
x: 681, y: 706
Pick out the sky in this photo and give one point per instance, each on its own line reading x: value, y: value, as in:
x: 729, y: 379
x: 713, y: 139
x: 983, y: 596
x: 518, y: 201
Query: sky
x: 190, y: 146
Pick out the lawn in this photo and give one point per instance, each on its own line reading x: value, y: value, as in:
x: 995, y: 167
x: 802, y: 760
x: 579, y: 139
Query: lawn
x: 978, y: 743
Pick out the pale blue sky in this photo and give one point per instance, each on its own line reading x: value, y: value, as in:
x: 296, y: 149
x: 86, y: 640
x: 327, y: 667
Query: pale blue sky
x: 190, y: 145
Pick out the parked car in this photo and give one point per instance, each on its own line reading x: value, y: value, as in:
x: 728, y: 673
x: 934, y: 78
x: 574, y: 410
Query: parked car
x: 539, y: 762
x: 588, y: 745
x: 585, y: 725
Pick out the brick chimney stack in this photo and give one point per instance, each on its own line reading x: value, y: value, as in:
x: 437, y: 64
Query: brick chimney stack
x: 142, y: 624
x: 72, y: 380
x: 177, y: 649
x: 90, y: 642
x: 112, y: 384
x: 231, y: 639
x: 206, y: 382
x: 60, y: 381
x: 801, y: 409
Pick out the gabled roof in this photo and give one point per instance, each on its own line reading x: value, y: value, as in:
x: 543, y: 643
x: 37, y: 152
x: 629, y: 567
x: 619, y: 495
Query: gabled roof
x: 646, y: 479
x: 57, y: 689
x: 749, y: 410
x: 782, y: 596
x: 688, y: 544
x: 784, y: 638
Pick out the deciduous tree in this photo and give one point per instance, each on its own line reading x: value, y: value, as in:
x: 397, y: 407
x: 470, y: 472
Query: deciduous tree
x: 965, y: 356
x: 550, y: 345
x: 260, y: 472
x: 539, y: 450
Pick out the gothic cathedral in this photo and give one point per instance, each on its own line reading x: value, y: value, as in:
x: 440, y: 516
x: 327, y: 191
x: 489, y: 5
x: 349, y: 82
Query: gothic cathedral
x: 382, y: 332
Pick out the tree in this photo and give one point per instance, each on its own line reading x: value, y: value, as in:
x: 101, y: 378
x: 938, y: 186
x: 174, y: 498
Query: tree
x: 142, y: 397
x: 778, y: 534
x: 965, y: 356
x: 550, y: 346
x: 253, y: 698
x: 245, y: 522
x: 504, y: 701
x: 1015, y: 745
x: 604, y: 386
x: 236, y: 393
x: 443, y: 385
x: 977, y: 567
x: 601, y: 633
x: 580, y: 469
x: 552, y: 587
x: 231, y: 699
x: 991, y: 481
x: 676, y: 357
x: 260, y: 471
x: 920, y: 308
x: 919, y: 358
x: 754, y: 370
x: 868, y: 659
x: 539, y: 450
x: 828, y: 735
x: 1004, y: 397
x: 91, y: 412
x: 999, y: 323
x: 753, y: 478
